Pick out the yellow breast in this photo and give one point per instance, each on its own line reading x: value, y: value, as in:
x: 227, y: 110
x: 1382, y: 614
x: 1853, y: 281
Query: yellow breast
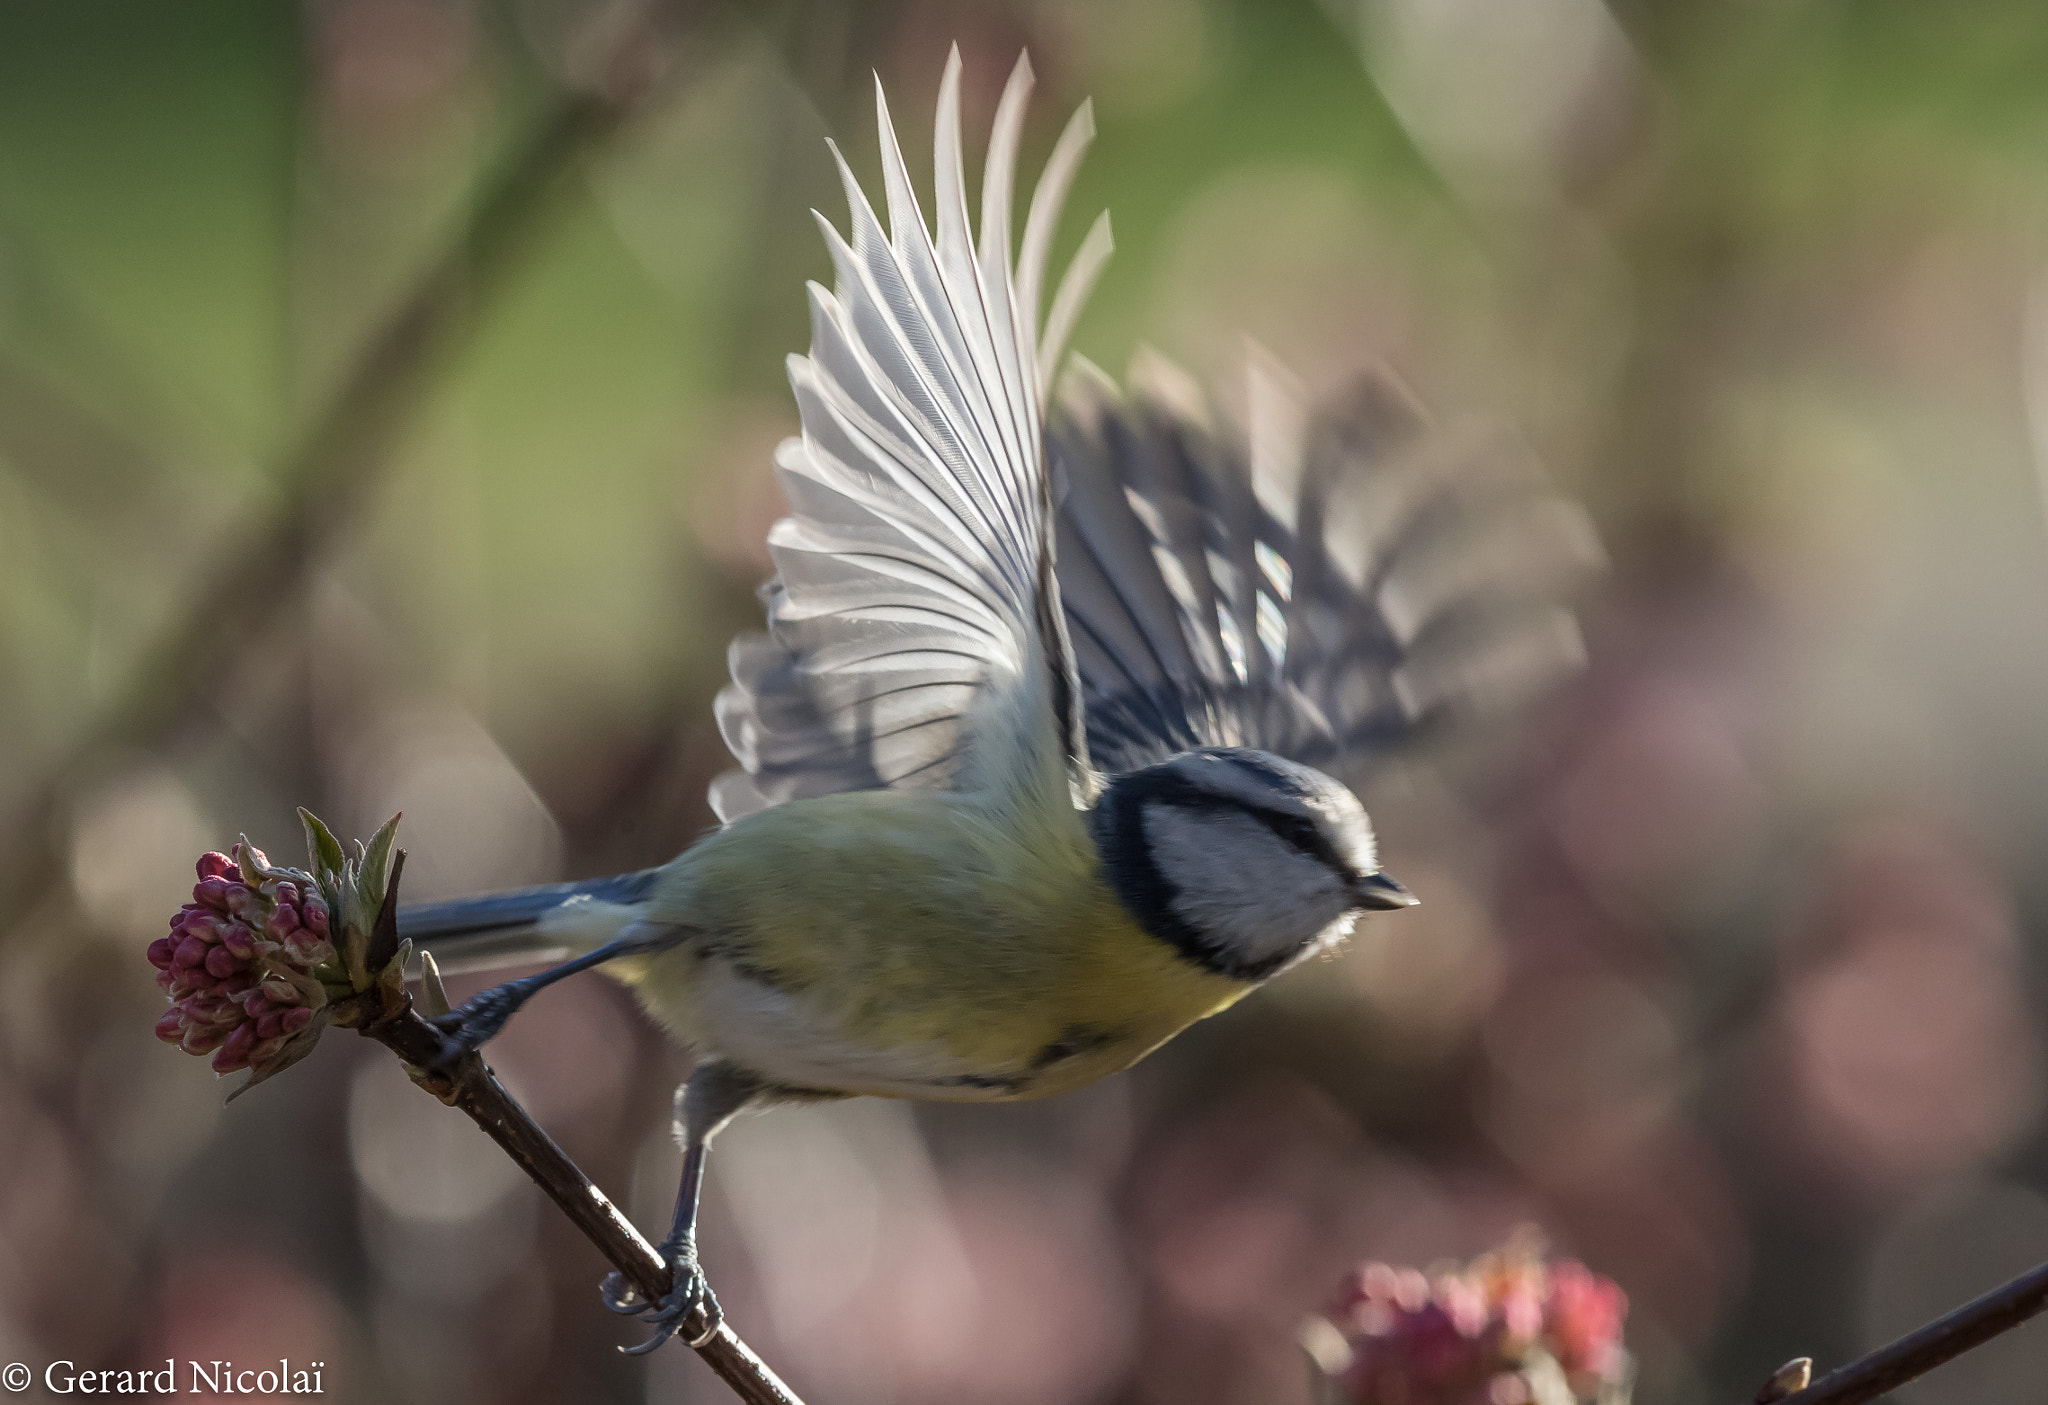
x: 916, y: 944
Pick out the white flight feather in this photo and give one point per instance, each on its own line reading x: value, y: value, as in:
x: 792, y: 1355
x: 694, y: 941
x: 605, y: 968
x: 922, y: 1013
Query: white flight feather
x: 1039, y: 225
x: 910, y: 565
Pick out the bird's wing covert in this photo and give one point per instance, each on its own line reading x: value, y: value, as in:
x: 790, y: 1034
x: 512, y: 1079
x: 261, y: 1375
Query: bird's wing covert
x: 913, y: 572
x: 1320, y: 587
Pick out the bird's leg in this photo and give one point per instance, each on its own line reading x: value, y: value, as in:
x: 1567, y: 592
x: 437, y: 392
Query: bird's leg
x: 689, y: 1291
x: 477, y: 1020
x: 703, y: 1105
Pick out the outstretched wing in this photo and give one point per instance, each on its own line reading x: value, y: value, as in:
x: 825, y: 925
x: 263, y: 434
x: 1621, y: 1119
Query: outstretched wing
x: 913, y: 574
x: 1320, y: 590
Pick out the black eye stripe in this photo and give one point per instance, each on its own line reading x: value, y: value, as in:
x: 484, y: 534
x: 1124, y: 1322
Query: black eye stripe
x: 1304, y: 836
x: 1298, y: 832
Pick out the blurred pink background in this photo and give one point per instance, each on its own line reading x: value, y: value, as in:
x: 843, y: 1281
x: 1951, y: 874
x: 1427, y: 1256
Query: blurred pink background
x: 1725, y: 970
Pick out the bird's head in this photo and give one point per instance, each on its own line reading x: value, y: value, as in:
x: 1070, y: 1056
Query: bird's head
x: 1241, y: 859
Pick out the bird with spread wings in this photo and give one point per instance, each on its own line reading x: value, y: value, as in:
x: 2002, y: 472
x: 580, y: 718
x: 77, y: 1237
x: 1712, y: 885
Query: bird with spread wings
x: 1043, y: 754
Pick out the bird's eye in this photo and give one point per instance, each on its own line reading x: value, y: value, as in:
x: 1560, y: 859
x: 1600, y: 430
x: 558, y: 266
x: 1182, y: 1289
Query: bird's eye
x: 1301, y: 834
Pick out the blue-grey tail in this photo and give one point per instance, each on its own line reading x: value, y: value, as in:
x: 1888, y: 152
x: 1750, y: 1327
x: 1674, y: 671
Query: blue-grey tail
x: 503, y: 929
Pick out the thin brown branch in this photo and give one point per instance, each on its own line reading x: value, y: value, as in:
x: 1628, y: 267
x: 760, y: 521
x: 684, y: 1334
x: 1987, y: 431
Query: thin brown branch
x: 471, y: 1086
x: 1915, y: 1354
x: 326, y: 474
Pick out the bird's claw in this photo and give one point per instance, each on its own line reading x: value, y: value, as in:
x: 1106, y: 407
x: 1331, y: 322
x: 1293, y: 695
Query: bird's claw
x: 473, y: 1024
x: 688, y: 1305
x: 620, y: 1296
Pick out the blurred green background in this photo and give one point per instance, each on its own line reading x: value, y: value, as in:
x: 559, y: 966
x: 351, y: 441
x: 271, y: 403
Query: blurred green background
x: 1725, y: 970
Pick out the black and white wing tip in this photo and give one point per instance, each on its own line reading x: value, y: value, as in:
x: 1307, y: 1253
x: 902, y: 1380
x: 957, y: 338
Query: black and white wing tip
x: 911, y: 573
x: 1324, y: 585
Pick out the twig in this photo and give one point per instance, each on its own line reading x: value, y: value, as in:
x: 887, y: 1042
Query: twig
x: 471, y: 1086
x: 326, y: 473
x: 1913, y: 1355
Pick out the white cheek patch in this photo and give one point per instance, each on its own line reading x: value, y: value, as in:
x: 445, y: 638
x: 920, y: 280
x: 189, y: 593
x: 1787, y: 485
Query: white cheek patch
x: 1239, y: 885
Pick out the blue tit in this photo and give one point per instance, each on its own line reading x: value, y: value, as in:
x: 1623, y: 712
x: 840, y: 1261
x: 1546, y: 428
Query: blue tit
x: 1035, y: 755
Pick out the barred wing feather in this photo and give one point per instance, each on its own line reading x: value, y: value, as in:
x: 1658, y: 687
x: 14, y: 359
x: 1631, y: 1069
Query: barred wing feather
x: 1323, y: 589
x: 913, y: 572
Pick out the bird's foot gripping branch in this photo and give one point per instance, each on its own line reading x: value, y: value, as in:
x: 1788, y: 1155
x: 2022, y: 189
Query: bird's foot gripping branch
x: 265, y: 958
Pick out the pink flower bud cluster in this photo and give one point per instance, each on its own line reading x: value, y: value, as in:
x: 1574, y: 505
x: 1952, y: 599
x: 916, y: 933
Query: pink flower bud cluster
x: 238, y: 963
x: 1472, y: 1336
